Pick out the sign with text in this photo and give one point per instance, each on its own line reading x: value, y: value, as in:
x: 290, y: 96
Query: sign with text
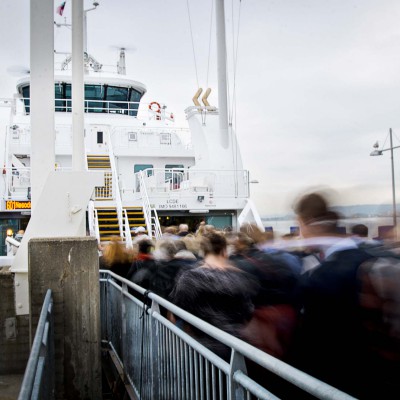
x: 172, y: 204
x: 18, y: 205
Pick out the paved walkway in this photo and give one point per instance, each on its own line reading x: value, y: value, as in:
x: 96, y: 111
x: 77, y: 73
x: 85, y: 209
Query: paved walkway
x: 9, y: 386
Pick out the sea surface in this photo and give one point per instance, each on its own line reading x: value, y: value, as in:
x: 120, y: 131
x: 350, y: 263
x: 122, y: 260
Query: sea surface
x: 282, y: 227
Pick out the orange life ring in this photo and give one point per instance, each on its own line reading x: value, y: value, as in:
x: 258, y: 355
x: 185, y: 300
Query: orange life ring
x: 158, y: 107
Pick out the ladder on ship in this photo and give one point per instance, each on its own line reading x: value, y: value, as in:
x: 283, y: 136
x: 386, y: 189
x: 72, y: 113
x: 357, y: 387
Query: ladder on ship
x: 108, y: 223
x: 101, y: 162
x: 135, y: 216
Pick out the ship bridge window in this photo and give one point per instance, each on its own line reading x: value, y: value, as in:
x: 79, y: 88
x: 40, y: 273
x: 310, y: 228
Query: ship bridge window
x: 26, y: 96
x: 134, y: 97
x: 117, y: 98
x: 96, y: 94
x: 98, y: 99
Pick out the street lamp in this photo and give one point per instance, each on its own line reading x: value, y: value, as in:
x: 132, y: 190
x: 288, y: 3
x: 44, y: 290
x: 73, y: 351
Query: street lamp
x: 378, y: 152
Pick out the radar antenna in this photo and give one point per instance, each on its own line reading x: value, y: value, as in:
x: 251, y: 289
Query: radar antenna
x: 121, y: 66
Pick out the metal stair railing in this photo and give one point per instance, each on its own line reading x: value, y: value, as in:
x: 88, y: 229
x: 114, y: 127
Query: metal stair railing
x: 150, y: 213
x: 128, y: 236
x: 115, y: 188
x: 93, y: 221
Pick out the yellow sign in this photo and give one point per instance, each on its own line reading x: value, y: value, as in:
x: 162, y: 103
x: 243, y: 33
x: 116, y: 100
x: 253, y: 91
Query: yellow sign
x: 18, y: 205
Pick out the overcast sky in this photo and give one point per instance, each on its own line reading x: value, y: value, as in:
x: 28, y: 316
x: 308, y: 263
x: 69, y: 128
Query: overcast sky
x: 317, y: 82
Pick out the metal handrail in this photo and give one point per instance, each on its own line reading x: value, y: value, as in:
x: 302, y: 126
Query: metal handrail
x: 150, y: 213
x: 127, y: 231
x: 115, y: 187
x: 169, y: 344
x: 39, y: 377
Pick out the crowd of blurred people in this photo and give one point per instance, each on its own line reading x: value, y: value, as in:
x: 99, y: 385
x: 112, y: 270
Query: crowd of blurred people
x: 325, y: 302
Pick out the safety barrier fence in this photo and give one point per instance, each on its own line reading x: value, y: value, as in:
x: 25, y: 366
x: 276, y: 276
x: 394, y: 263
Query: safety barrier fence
x: 159, y: 360
x: 39, y: 379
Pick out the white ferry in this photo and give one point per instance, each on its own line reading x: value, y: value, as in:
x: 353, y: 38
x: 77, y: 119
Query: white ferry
x: 154, y: 173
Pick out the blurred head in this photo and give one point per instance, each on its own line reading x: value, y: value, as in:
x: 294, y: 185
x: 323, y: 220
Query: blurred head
x: 165, y: 249
x: 145, y: 246
x: 213, y: 243
x: 116, y: 252
x: 314, y: 216
x: 183, y: 228
x: 253, y: 231
x: 360, y: 230
x: 171, y: 230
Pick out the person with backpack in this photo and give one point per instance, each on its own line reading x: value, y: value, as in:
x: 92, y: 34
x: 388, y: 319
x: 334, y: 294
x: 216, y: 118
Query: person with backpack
x: 332, y: 342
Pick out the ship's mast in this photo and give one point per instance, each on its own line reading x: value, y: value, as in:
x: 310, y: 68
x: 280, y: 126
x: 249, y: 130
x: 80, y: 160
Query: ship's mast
x: 222, y: 79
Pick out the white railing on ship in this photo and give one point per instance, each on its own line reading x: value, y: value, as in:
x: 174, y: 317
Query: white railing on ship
x: 150, y: 214
x: 93, y: 221
x: 186, y: 182
x: 130, y: 108
x: 128, y: 236
x: 18, y: 183
x: 115, y: 187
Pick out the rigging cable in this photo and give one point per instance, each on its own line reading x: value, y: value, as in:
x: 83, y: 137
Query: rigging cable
x: 209, y: 42
x: 191, y: 35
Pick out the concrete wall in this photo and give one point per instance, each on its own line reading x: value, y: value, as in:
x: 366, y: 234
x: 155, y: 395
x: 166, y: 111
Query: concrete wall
x: 14, y: 330
x: 69, y: 267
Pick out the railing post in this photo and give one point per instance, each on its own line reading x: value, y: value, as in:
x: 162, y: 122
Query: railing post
x: 237, y: 363
x: 154, y: 351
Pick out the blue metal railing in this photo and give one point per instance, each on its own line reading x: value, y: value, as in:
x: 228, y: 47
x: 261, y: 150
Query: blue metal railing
x: 39, y: 379
x: 161, y: 361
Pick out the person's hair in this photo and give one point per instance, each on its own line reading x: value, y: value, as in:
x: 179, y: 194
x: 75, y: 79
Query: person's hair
x: 311, y: 207
x: 253, y: 231
x: 213, y: 243
x: 171, y: 229
x: 360, y: 230
x: 192, y: 243
x: 145, y: 246
x: 183, y: 227
x: 167, y: 248
x: 180, y: 245
x: 116, y: 252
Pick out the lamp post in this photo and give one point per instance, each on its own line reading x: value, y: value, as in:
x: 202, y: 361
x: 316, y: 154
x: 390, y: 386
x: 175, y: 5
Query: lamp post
x: 378, y: 152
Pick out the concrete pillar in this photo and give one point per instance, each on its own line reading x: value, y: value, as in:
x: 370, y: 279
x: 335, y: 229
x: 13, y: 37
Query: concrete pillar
x: 70, y: 268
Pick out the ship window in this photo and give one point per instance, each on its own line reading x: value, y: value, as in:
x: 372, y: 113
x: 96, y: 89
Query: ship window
x: 67, y: 92
x: 100, y: 137
x: 96, y: 94
x: 59, y: 96
x: 118, y: 99
x: 132, y: 136
x: 142, y: 167
x: 134, y: 97
x: 26, y: 96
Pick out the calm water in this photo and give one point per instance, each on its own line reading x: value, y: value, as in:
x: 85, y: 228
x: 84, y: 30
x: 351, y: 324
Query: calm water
x: 282, y: 227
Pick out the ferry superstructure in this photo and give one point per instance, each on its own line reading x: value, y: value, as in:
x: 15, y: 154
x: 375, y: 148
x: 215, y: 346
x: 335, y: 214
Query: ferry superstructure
x: 155, y: 173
